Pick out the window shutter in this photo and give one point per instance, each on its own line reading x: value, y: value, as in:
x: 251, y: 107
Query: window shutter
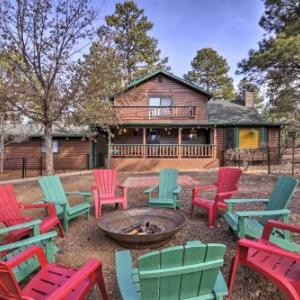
x: 236, y: 137
x: 263, y: 135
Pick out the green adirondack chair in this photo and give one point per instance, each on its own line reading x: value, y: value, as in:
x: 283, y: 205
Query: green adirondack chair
x: 250, y: 223
x: 45, y: 240
x: 168, y: 190
x: 183, y: 272
x: 54, y: 192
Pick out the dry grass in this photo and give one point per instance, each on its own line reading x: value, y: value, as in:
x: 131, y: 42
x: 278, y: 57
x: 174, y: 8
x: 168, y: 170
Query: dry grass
x: 85, y: 240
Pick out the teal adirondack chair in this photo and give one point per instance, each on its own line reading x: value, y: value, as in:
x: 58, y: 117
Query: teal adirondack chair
x: 45, y: 240
x: 168, y: 190
x: 183, y: 272
x: 245, y: 223
x: 54, y: 192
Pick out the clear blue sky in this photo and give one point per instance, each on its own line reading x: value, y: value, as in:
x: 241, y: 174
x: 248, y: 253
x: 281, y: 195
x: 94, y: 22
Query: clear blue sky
x: 184, y: 26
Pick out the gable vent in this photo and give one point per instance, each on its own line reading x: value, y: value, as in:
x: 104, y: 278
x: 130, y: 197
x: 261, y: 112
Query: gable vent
x: 160, y: 79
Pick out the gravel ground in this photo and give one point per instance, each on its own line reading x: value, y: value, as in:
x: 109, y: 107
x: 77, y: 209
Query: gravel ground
x: 85, y: 240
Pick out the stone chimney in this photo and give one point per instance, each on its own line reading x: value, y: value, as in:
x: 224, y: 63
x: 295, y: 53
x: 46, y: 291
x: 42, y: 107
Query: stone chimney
x: 248, y: 98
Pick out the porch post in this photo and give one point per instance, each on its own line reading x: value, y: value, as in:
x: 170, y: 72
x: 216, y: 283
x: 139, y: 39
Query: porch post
x: 144, y: 142
x: 215, y: 143
x: 179, y: 142
x: 108, y: 148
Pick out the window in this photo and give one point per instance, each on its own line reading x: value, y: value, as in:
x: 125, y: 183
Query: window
x: 153, y: 137
x: 249, y: 138
x: 161, y: 107
x: 54, y: 146
x: 229, y: 138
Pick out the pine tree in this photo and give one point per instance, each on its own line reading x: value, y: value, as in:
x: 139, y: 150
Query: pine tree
x: 129, y: 27
x: 210, y: 72
x: 276, y: 62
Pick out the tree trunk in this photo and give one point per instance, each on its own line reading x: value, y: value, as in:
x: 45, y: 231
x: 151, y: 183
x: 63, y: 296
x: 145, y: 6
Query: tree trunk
x: 49, y: 151
x: 1, y: 154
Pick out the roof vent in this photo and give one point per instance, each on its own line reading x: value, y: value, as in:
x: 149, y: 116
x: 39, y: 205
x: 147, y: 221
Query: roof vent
x: 160, y: 79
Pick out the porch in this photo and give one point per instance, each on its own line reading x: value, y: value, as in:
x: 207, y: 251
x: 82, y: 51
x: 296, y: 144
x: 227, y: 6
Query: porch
x: 152, y: 148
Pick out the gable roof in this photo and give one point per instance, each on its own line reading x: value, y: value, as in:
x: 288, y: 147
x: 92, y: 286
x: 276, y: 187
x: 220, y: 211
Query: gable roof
x: 171, y: 76
x: 228, y: 113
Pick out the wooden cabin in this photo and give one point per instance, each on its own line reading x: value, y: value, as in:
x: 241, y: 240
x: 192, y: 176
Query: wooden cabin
x: 166, y: 121
x: 75, y: 148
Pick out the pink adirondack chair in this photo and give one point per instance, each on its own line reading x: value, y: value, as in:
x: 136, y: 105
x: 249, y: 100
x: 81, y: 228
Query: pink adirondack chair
x: 11, y: 214
x: 53, y: 281
x: 104, y: 190
x: 226, y: 187
x: 282, y: 267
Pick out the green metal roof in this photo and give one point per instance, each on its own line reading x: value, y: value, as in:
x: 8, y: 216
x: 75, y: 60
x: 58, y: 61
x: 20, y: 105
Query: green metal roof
x: 171, y: 76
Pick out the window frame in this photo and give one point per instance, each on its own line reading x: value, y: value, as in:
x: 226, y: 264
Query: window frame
x: 55, y: 146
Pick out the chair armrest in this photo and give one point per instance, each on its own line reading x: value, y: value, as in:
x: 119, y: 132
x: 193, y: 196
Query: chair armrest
x: 271, y: 224
x: 202, y: 188
x: 86, y: 195
x: 49, y: 206
x: 90, y: 268
x: 50, y: 235
x: 271, y: 248
x: 238, y: 201
x: 122, y: 186
x: 262, y: 213
x: 177, y: 190
x: 27, y: 253
x: 151, y: 189
x: 230, y: 193
x: 35, y: 224
x: 78, y: 193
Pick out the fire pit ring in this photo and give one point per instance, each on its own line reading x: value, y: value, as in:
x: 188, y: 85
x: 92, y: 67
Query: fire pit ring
x: 133, y: 228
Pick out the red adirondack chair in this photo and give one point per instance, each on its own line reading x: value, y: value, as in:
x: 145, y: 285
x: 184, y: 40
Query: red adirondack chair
x: 53, y: 281
x: 279, y: 265
x: 11, y: 214
x: 104, y: 190
x: 226, y: 187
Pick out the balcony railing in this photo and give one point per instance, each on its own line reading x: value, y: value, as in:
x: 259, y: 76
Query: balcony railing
x: 163, y: 151
x: 155, y: 112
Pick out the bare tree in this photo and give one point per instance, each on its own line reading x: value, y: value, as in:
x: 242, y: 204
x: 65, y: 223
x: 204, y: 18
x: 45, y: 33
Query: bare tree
x: 41, y: 38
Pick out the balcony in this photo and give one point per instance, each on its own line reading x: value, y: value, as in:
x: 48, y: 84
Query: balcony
x: 155, y: 112
x: 161, y: 151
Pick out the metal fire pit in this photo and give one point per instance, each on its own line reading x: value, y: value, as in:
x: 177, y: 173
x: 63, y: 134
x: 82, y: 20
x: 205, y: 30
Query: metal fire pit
x: 170, y: 221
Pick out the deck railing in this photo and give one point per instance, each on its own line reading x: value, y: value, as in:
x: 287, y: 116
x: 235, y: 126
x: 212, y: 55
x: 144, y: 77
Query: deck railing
x: 162, y: 150
x: 155, y: 112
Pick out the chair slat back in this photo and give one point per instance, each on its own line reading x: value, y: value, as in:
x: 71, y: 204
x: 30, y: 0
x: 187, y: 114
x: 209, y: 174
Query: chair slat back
x: 53, y: 191
x: 106, y: 181
x: 180, y: 272
x: 9, y: 209
x: 228, y: 179
x: 167, y: 183
x: 282, y: 194
x: 9, y: 288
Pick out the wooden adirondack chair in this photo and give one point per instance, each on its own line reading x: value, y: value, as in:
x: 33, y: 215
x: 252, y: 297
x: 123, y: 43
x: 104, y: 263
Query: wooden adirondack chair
x: 244, y: 224
x: 279, y: 265
x: 54, y: 193
x: 52, y: 281
x: 226, y: 187
x: 11, y: 214
x: 104, y: 190
x: 181, y: 272
x: 168, y: 190
x: 45, y: 240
